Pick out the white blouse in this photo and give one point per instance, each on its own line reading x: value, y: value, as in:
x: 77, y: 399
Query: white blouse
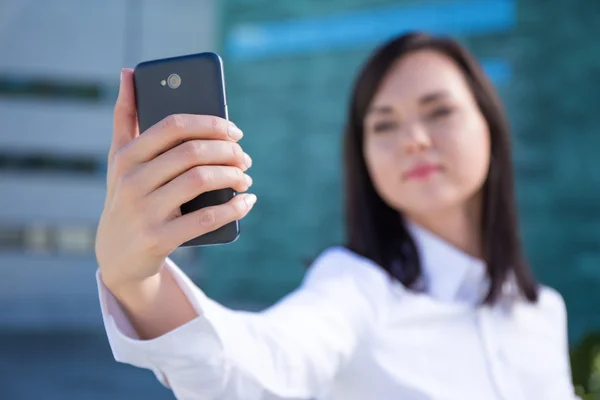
x: 351, y: 333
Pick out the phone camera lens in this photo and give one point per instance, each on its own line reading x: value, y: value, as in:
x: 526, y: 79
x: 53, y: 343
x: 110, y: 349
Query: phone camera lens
x: 174, y: 81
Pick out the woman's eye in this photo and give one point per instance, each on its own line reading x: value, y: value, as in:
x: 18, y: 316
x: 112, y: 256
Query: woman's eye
x: 441, y: 112
x: 384, y: 126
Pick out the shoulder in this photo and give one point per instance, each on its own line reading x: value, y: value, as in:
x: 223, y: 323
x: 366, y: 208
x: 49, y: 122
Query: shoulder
x: 551, y: 302
x: 548, y: 313
x: 339, y: 262
x: 338, y: 269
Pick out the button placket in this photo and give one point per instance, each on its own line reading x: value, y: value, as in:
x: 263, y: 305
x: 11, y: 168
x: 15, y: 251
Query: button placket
x: 495, y: 358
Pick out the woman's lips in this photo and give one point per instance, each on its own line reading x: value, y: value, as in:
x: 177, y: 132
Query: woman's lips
x: 421, y: 172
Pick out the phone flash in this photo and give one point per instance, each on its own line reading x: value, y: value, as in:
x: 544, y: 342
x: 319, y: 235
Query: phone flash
x: 163, y: 82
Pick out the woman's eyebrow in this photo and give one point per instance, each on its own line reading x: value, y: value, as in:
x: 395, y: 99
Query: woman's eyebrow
x: 432, y: 97
x: 380, y: 110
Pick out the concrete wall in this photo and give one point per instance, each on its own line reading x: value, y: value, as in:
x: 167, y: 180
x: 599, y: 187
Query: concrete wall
x: 48, y: 217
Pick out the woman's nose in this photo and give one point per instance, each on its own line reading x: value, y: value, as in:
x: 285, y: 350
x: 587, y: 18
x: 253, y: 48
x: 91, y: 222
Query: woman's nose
x: 414, y: 138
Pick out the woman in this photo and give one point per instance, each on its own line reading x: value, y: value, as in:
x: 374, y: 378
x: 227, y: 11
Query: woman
x: 430, y: 299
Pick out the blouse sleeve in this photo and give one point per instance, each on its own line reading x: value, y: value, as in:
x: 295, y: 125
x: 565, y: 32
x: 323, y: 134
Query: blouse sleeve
x: 293, y: 350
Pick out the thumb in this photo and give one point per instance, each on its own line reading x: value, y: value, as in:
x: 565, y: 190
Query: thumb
x: 125, y: 127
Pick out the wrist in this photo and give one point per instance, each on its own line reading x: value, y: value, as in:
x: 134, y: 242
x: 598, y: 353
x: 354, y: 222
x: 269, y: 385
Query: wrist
x: 155, y: 305
x: 136, y: 294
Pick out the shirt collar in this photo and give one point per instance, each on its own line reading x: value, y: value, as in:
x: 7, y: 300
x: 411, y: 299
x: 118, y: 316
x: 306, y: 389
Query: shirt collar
x: 448, y: 274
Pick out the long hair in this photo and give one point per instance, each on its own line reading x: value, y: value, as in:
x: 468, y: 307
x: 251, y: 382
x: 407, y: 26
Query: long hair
x: 377, y: 231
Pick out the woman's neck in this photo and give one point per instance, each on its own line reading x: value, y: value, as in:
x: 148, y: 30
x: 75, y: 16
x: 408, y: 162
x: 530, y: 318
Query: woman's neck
x: 460, y: 227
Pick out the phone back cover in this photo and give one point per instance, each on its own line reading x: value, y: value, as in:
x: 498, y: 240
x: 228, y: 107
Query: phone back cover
x: 202, y: 91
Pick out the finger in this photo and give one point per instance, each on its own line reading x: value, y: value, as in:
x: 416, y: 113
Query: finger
x: 125, y: 127
x: 168, y: 166
x: 178, y: 128
x: 194, y: 182
x: 189, y: 226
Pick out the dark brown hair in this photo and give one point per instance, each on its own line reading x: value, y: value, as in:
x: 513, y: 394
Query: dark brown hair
x: 377, y: 231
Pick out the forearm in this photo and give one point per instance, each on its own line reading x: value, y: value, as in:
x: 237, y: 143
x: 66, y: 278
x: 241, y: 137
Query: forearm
x: 155, y: 306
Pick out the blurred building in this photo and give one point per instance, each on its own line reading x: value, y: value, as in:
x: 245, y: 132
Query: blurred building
x: 59, y: 73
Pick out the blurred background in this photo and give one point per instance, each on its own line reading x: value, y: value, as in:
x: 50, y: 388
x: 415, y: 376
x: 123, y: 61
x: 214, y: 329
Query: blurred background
x: 289, y: 66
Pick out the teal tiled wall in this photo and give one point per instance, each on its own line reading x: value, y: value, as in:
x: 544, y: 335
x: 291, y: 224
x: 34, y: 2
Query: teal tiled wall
x: 291, y: 107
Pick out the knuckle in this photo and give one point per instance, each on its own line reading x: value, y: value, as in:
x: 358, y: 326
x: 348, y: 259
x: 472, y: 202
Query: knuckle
x: 239, y: 208
x: 236, y: 178
x: 176, y: 122
x: 201, y: 176
x: 194, y: 151
x: 119, y: 161
x: 140, y: 210
x: 207, y: 217
x: 238, y: 153
x: 239, y: 175
x: 124, y: 186
x: 151, y: 243
x: 215, y: 123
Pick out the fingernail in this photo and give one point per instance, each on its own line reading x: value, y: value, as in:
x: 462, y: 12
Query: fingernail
x: 248, y: 180
x: 248, y: 160
x: 234, y: 132
x: 250, y: 199
x: 120, y: 83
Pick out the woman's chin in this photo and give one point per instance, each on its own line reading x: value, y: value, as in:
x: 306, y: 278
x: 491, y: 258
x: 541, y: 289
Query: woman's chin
x: 430, y: 204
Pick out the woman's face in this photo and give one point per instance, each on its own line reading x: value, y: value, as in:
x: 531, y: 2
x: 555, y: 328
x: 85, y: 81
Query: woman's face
x: 427, y: 145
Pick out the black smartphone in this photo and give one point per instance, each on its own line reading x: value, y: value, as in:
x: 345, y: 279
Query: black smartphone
x: 190, y: 84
